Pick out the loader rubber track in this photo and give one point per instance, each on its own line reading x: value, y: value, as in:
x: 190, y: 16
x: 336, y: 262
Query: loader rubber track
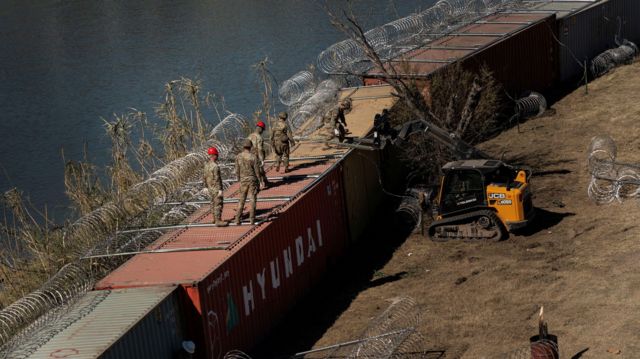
x: 468, y: 227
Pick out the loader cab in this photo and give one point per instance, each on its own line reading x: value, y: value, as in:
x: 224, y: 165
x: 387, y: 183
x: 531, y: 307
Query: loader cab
x: 464, y: 184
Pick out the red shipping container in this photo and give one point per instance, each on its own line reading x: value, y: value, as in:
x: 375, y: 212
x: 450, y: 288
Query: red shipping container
x: 241, y: 292
x: 518, y: 48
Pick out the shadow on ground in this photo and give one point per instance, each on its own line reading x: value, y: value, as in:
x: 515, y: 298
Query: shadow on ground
x: 354, y: 273
x: 543, y: 220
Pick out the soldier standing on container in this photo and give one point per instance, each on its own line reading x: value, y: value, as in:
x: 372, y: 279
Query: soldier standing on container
x: 258, y: 150
x: 281, y: 137
x: 248, y: 172
x: 332, y: 128
x: 344, y: 106
x: 213, y: 182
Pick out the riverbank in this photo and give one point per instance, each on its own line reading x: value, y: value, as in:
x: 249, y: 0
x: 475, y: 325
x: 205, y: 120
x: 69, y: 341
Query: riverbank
x: 479, y: 300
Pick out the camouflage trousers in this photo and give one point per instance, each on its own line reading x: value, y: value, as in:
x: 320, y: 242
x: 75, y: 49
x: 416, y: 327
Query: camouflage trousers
x: 216, y: 206
x: 247, y: 187
x: 263, y: 175
x: 282, y: 153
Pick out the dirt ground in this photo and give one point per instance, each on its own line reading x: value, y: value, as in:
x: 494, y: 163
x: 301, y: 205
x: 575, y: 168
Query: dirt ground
x: 580, y: 260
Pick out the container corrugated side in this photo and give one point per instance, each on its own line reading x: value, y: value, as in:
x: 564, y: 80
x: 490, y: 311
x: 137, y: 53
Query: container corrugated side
x: 522, y: 61
x: 518, y: 48
x: 631, y: 29
x: 363, y: 193
x: 125, y: 323
x: 252, y: 290
x: 588, y: 32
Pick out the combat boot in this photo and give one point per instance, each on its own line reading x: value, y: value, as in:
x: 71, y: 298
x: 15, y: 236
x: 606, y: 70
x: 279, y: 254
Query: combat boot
x: 237, y: 220
x: 220, y: 223
x: 252, y: 220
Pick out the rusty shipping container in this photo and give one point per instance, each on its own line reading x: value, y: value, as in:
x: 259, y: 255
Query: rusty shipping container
x: 517, y: 47
x: 587, y: 32
x: 241, y: 292
x: 118, y: 324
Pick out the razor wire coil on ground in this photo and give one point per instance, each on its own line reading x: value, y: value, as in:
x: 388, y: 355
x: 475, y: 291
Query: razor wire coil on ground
x: 531, y: 105
x: 623, y: 54
x: 610, y: 180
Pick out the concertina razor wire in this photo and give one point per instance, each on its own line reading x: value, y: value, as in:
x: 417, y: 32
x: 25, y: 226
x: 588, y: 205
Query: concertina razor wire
x: 392, y: 334
x: 309, y: 100
x: 95, y: 231
x: 621, y: 55
x: 610, y: 180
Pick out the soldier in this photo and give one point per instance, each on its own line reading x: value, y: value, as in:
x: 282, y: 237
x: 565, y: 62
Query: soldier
x: 213, y: 181
x: 281, y: 137
x: 344, y: 106
x: 258, y: 150
x: 248, y: 172
x: 333, y: 127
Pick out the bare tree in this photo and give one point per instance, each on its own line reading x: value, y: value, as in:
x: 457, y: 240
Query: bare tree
x: 460, y: 102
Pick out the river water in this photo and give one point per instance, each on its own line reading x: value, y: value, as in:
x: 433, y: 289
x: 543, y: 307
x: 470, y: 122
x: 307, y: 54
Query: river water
x: 66, y: 64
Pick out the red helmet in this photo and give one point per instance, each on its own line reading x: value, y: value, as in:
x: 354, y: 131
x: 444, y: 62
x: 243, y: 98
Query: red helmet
x: 261, y: 124
x: 212, y: 151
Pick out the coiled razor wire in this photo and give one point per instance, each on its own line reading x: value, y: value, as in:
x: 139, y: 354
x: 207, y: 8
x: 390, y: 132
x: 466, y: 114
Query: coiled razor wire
x: 91, y: 233
x: 610, y: 180
x: 531, y: 105
x: 392, y: 334
x: 623, y: 54
x: 297, y: 88
x: 309, y: 116
x: 410, y: 207
x: 60, y: 319
x: 70, y: 282
x: 391, y: 39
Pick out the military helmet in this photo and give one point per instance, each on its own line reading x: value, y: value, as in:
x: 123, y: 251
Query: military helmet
x: 247, y: 143
x: 283, y: 115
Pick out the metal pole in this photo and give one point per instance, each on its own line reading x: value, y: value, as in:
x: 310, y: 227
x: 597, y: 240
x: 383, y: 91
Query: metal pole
x: 296, y: 355
x: 274, y: 178
x: 228, y: 200
x: 181, y: 226
x: 155, y: 251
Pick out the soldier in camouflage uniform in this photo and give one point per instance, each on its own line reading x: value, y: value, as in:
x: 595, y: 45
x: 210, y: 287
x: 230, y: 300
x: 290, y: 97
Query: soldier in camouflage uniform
x: 248, y: 172
x: 257, y: 149
x: 213, y: 182
x: 281, y: 138
x: 333, y: 127
x: 343, y: 107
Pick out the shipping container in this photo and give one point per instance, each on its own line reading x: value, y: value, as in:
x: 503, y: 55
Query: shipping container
x: 127, y: 323
x: 361, y: 168
x: 241, y: 292
x: 250, y: 292
x: 524, y: 60
x: 241, y: 280
x: 592, y: 29
x: 518, y: 48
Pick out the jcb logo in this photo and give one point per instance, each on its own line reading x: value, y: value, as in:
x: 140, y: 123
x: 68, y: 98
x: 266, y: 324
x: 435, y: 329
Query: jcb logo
x: 497, y: 196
